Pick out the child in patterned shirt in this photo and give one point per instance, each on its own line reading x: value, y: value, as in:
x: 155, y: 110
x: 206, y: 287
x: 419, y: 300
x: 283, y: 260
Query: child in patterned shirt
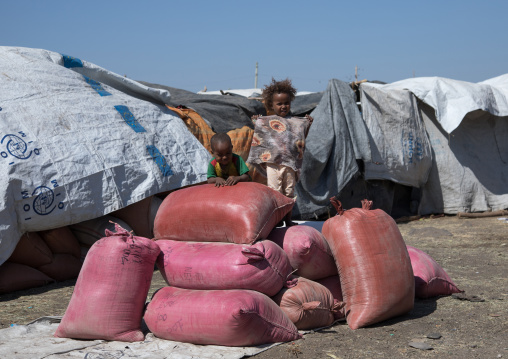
x: 278, y: 142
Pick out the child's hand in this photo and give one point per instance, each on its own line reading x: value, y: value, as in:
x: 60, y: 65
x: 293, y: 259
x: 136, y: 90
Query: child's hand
x: 220, y: 182
x: 255, y: 117
x: 309, y: 118
x: 231, y: 181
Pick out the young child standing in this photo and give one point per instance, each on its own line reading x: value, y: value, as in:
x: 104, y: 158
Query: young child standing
x: 278, y: 142
x: 225, y: 168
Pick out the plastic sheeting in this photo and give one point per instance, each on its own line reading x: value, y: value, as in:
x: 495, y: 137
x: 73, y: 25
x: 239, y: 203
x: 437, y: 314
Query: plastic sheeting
x: 469, y: 169
x: 42, y: 344
x: 74, y: 148
x: 400, y: 147
x: 467, y: 126
x: 336, y: 139
x: 453, y: 100
x: 223, y: 113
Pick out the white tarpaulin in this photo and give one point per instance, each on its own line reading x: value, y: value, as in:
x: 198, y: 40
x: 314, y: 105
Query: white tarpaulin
x: 453, y: 100
x: 78, y: 142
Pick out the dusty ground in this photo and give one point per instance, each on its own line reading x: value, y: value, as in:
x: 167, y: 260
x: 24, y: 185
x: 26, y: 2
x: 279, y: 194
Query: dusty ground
x: 473, y: 251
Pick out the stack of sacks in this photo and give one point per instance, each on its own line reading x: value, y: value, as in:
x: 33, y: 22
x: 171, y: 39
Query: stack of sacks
x: 311, y: 258
x: 220, y: 291
x: 110, y: 293
x: 374, y: 267
x: 41, y: 258
x: 20, y: 270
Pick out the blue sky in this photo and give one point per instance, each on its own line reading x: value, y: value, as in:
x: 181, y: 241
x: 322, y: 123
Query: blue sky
x: 193, y: 44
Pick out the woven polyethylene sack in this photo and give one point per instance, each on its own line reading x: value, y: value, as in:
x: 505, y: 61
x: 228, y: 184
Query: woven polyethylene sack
x: 242, y: 213
x: 110, y: 293
x: 307, y: 250
x: 308, y: 304
x: 431, y: 279
x: 263, y: 266
x: 374, y: 267
x: 218, y: 317
x: 332, y: 283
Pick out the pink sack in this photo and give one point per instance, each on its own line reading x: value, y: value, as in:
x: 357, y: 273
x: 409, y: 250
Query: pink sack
x: 308, y: 304
x: 307, y: 250
x: 333, y: 285
x: 218, y: 317
x: 242, y: 213
x: 375, y: 271
x: 111, y: 289
x: 431, y: 279
x: 263, y: 266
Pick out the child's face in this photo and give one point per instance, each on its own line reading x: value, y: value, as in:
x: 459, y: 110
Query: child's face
x: 223, y: 153
x: 281, y: 104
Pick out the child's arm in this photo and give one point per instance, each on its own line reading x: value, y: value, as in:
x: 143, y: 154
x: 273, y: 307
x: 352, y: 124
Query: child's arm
x: 255, y: 117
x: 310, y: 119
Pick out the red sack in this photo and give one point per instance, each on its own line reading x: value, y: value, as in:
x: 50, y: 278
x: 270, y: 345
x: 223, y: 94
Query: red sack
x: 242, y: 213
x: 140, y: 215
x: 31, y: 251
x: 431, y: 279
x: 62, y: 240
x: 375, y: 271
x: 110, y: 293
x: 218, y: 317
x: 263, y: 266
x: 308, y: 304
x: 64, y: 266
x: 14, y: 276
x: 333, y: 285
x: 307, y: 250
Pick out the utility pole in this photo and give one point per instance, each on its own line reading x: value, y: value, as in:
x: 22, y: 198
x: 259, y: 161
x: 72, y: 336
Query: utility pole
x: 256, y: 77
x: 356, y: 73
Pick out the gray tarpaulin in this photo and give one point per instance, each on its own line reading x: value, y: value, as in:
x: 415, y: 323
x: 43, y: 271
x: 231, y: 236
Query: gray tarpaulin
x: 74, y: 148
x: 400, y: 147
x: 224, y: 113
x: 470, y: 167
x: 336, y: 139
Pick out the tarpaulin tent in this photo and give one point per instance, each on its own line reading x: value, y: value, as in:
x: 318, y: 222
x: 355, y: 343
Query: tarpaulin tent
x: 467, y: 127
x: 78, y: 142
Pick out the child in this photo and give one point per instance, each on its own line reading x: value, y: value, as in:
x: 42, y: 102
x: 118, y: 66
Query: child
x: 226, y: 168
x: 279, y: 140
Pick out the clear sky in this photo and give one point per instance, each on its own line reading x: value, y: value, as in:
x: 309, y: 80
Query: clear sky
x: 193, y: 44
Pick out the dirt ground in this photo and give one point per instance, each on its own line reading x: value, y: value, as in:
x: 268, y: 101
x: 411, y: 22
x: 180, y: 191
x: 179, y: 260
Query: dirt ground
x: 474, y: 252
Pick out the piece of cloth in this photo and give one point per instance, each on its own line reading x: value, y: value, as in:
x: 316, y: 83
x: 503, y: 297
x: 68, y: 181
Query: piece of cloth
x: 281, y: 178
x: 236, y: 167
x: 279, y: 140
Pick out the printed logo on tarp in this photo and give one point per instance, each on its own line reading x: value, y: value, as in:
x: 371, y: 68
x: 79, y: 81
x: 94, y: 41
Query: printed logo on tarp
x: 45, y: 200
x: 16, y: 147
x: 412, y: 147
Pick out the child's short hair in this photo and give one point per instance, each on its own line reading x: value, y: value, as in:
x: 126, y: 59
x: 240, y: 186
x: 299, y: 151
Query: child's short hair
x: 220, y: 137
x: 284, y: 86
